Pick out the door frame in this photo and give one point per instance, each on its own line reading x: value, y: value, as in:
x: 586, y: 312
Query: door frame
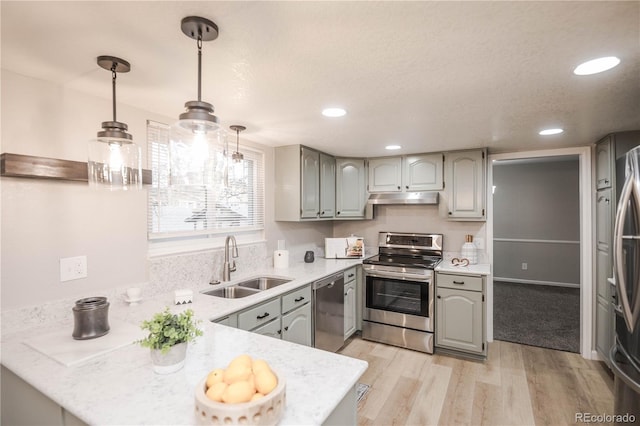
x: 585, y: 172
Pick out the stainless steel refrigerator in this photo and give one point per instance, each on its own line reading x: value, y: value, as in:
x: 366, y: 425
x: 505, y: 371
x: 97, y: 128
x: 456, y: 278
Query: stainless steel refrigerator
x: 625, y: 353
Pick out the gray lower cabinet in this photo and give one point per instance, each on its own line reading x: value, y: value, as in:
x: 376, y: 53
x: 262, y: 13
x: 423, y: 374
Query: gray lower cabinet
x: 296, y: 325
x: 287, y: 317
x: 350, y: 316
x: 460, y: 313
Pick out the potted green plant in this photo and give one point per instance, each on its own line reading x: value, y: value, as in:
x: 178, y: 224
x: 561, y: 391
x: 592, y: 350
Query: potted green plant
x: 168, y: 337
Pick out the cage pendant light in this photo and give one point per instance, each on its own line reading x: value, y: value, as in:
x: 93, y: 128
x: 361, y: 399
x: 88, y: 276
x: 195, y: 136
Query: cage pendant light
x: 114, y: 161
x: 197, y: 135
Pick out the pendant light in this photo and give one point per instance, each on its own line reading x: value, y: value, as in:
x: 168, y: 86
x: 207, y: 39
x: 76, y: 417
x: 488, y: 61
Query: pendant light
x: 237, y: 155
x: 114, y: 161
x: 195, y: 138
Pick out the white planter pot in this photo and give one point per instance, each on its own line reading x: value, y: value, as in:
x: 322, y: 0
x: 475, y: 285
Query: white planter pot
x: 171, y: 361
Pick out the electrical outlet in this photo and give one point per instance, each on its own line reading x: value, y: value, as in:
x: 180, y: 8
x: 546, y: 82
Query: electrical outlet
x: 73, y: 268
x: 480, y: 243
x: 524, y: 266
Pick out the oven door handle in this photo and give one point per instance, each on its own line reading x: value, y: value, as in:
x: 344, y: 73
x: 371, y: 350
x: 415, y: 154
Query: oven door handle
x: 397, y: 275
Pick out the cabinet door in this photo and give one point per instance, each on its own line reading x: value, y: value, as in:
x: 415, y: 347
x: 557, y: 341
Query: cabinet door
x: 603, y: 163
x: 310, y: 183
x: 603, y: 272
x: 423, y: 172
x: 271, y: 329
x: 351, y: 191
x: 296, y: 325
x: 459, y: 320
x: 464, y: 184
x: 349, y: 309
x: 385, y: 174
x: 327, y: 185
x: 603, y: 328
x: 603, y: 219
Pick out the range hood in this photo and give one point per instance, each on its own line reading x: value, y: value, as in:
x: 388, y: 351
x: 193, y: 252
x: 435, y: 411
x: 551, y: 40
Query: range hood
x: 404, y: 198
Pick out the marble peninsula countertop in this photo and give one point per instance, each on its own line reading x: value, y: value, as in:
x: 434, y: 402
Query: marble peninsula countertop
x: 120, y: 387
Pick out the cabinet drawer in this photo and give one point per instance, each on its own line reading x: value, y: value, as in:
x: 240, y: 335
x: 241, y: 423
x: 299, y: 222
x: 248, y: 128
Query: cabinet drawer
x: 296, y: 298
x: 259, y: 315
x: 460, y: 282
x: 349, y: 275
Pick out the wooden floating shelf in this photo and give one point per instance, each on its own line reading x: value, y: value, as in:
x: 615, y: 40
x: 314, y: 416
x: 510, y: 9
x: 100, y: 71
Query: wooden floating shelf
x: 28, y: 166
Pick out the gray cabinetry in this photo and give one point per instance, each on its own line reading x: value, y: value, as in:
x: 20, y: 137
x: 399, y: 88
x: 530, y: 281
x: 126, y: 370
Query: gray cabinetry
x: 296, y: 325
x: 610, y: 154
x: 460, y: 313
x: 464, y: 184
x: 351, y: 188
x: 304, y: 184
x: 422, y: 172
x: 349, y: 302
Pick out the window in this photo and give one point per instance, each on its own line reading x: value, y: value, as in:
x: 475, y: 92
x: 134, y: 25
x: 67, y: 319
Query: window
x: 194, y: 217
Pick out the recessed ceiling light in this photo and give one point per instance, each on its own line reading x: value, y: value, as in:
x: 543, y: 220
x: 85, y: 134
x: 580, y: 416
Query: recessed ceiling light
x: 334, y: 112
x: 392, y: 147
x: 595, y: 66
x: 547, y: 132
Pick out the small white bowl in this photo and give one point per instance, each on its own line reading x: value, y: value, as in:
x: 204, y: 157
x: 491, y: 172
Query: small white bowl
x: 267, y: 410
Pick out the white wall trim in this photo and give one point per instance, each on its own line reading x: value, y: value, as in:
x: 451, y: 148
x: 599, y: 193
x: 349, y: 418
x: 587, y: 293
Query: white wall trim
x: 536, y: 282
x: 586, y: 237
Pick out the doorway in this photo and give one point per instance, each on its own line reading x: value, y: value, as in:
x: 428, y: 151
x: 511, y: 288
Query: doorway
x: 530, y: 273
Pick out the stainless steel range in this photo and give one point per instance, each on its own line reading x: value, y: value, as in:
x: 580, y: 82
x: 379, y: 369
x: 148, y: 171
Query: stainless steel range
x: 399, y: 290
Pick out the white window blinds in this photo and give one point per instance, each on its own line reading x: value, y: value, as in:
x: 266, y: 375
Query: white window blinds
x: 235, y: 204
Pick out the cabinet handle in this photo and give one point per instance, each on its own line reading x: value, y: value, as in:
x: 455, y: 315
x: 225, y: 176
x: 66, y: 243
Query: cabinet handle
x: 350, y: 276
x: 338, y: 213
x: 438, y: 296
x: 279, y: 331
x: 299, y: 299
x: 322, y: 213
x: 266, y: 314
x: 346, y: 294
x: 459, y: 282
x: 407, y: 186
x: 450, y: 213
x: 286, y: 329
x: 398, y: 186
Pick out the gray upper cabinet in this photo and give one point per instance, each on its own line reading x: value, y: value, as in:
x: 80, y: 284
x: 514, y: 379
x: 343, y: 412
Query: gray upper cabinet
x: 603, y: 163
x: 304, y: 184
x: 310, y: 182
x: 327, y: 186
x: 351, y: 191
x: 604, y: 222
x: 464, y: 188
x: 421, y: 172
x: 385, y: 174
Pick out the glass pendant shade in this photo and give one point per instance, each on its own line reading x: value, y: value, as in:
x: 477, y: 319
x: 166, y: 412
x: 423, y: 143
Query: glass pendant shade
x: 114, y: 164
x: 192, y: 152
x: 114, y: 161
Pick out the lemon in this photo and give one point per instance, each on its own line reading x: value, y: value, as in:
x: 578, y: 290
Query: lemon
x: 215, y: 377
x: 266, y: 381
x: 243, y: 359
x: 237, y: 392
x: 259, y: 365
x: 216, y: 391
x: 236, y: 372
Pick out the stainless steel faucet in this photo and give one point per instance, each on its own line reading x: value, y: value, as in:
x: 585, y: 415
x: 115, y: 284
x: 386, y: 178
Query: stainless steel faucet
x: 229, y: 268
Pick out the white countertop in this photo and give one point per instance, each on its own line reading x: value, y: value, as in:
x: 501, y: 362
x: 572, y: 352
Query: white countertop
x: 120, y: 387
x: 478, y: 269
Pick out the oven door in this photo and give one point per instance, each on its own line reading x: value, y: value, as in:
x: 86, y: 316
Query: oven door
x: 398, y: 299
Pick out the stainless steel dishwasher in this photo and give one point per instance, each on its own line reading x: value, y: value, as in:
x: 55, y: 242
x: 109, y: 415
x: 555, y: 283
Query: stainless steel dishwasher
x: 328, y: 312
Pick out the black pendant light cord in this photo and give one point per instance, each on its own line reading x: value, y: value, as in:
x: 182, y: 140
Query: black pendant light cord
x: 113, y: 89
x: 199, y: 68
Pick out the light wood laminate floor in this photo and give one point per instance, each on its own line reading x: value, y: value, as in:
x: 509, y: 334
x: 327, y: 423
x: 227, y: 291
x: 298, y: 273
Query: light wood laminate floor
x: 516, y: 385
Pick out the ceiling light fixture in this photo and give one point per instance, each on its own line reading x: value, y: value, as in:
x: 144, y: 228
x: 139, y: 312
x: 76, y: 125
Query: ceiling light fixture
x: 595, y: 66
x: 548, y: 132
x: 237, y: 156
x: 114, y: 161
x: 334, y: 112
x: 392, y: 147
x: 194, y: 138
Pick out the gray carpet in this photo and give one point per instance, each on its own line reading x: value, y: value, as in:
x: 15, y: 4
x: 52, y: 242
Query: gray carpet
x: 537, y: 315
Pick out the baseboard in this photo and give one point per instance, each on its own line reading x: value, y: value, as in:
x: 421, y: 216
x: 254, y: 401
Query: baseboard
x: 536, y: 282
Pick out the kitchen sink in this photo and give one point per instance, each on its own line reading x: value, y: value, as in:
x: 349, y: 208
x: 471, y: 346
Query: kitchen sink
x: 262, y: 283
x: 232, y: 292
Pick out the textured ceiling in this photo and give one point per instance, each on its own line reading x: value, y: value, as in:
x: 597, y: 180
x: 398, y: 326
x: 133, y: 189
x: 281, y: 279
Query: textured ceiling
x: 430, y: 76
